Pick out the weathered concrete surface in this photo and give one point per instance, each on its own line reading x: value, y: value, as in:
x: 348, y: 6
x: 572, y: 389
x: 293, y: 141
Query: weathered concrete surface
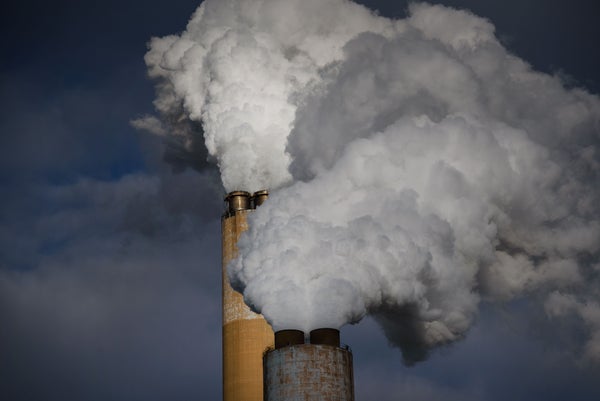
x: 309, y: 372
x: 246, y: 335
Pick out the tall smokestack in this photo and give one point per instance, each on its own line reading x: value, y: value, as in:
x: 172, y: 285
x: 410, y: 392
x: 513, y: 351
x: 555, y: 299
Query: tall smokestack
x: 246, y: 334
x: 321, y: 370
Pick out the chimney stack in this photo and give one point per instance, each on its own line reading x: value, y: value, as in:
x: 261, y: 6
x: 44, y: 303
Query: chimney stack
x: 246, y: 335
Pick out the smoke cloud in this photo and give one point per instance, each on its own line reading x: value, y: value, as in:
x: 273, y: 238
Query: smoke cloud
x: 419, y: 167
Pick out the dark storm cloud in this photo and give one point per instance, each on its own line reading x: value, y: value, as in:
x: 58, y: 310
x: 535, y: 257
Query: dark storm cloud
x: 72, y: 77
x: 107, y: 331
x: 65, y: 133
x: 109, y: 280
x: 505, y: 356
x: 379, y: 376
x: 124, y: 283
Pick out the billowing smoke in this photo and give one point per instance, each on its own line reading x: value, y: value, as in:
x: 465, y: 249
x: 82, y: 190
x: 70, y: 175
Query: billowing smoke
x: 419, y: 168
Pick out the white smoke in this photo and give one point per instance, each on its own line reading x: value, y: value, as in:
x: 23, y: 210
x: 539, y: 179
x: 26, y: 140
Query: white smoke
x: 421, y: 166
x: 238, y: 67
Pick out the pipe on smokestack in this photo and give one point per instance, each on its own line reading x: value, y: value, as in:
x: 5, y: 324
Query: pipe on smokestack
x: 319, y: 370
x: 325, y: 337
x: 237, y: 201
x: 246, y: 335
x: 259, y: 197
x: 285, y: 338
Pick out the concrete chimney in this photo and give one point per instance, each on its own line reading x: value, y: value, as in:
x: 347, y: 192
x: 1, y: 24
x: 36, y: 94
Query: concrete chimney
x: 317, y: 371
x: 246, y: 335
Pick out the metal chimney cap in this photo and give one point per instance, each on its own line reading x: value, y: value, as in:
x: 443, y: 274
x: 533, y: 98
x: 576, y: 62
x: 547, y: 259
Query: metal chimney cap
x: 285, y: 338
x: 236, y: 201
x: 325, y: 336
x: 234, y: 194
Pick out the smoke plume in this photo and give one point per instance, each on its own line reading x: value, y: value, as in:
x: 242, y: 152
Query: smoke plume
x: 416, y: 166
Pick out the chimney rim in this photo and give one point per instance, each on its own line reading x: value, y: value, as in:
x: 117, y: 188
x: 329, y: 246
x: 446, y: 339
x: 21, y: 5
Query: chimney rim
x: 289, y: 337
x: 325, y: 336
x: 232, y: 194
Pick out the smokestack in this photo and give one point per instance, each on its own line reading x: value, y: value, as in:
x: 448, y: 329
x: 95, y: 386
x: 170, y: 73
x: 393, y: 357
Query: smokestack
x: 319, y: 370
x: 246, y: 335
x: 259, y: 197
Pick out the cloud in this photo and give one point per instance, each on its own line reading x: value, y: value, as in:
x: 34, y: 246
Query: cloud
x: 560, y: 305
x: 402, y: 386
x: 63, y: 134
x: 122, y: 281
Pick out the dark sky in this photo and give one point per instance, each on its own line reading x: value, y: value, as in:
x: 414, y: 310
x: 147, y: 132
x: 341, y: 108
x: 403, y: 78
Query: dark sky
x: 110, y: 263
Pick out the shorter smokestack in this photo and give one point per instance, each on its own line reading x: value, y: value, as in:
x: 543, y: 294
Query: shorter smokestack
x: 319, y: 370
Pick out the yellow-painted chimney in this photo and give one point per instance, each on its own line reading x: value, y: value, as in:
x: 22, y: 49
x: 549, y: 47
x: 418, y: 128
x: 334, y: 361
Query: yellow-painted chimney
x: 246, y: 335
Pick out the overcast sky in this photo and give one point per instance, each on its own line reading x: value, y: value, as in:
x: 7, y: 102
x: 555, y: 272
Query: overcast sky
x: 110, y: 257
